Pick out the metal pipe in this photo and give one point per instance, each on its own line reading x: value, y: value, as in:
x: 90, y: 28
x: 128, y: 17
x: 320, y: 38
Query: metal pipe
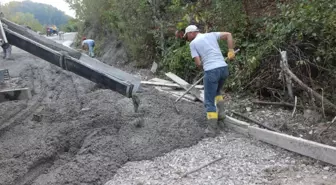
x: 4, y: 38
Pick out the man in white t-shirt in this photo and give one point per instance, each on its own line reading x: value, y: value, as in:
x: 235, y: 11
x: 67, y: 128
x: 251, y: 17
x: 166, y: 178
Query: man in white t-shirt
x: 90, y: 44
x: 207, y: 55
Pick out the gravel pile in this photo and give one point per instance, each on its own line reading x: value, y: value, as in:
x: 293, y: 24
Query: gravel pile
x: 245, y: 161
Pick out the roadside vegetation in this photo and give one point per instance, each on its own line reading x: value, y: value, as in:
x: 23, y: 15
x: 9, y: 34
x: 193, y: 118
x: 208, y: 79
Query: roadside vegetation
x: 261, y: 28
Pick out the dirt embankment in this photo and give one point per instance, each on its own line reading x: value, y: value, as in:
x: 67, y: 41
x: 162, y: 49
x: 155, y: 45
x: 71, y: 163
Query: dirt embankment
x: 109, y: 48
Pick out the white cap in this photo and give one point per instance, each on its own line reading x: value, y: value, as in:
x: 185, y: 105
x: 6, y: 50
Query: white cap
x: 190, y: 28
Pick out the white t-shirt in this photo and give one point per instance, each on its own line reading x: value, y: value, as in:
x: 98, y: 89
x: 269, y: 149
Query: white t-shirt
x: 89, y: 42
x: 206, y: 46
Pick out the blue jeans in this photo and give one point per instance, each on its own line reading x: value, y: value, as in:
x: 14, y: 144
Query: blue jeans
x: 213, y: 82
x: 91, y: 47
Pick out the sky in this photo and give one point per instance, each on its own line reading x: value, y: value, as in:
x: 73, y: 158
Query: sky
x: 59, y: 4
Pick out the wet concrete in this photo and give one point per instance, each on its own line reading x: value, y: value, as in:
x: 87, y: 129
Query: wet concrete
x: 72, y: 132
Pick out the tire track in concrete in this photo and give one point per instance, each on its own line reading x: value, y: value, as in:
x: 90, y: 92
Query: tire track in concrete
x: 14, y: 120
x: 15, y: 112
x: 39, y: 167
x: 35, y: 171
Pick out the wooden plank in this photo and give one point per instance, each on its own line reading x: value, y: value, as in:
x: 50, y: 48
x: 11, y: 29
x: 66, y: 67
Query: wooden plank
x: 178, y: 93
x: 172, y: 85
x: 202, y: 94
x: 160, y: 80
x: 177, y: 79
x: 170, y: 93
x: 15, y: 94
x: 304, y: 147
x: 185, y: 85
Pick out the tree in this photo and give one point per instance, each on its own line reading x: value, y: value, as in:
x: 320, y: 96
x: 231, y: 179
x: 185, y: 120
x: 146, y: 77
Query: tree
x: 45, y: 14
x: 26, y: 19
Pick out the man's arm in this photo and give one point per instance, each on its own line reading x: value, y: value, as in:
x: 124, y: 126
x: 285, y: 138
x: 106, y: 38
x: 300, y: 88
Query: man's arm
x: 228, y: 37
x: 83, y: 45
x: 198, y: 62
x: 195, y: 56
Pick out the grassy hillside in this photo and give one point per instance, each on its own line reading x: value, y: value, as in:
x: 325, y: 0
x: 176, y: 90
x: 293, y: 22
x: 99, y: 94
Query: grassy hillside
x: 43, y: 13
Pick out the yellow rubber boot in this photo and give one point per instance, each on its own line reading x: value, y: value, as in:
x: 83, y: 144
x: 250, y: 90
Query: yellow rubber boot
x: 212, y: 124
x: 219, y: 100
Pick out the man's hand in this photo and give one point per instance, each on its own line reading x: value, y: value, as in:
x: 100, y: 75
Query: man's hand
x: 231, y: 54
x: 228, y: 37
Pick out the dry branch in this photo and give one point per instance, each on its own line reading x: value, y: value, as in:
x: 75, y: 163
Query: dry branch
x: 294, y: 106
x: 276, y: 103
x: 331, y: 123
x: 203, y: 166
x: 308, y: 89
x: 323, y: 111
x: 284, y: 65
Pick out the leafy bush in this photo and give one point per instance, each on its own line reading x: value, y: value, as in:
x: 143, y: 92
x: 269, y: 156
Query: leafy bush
x: 178, y: 61
x: 71, y: 26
